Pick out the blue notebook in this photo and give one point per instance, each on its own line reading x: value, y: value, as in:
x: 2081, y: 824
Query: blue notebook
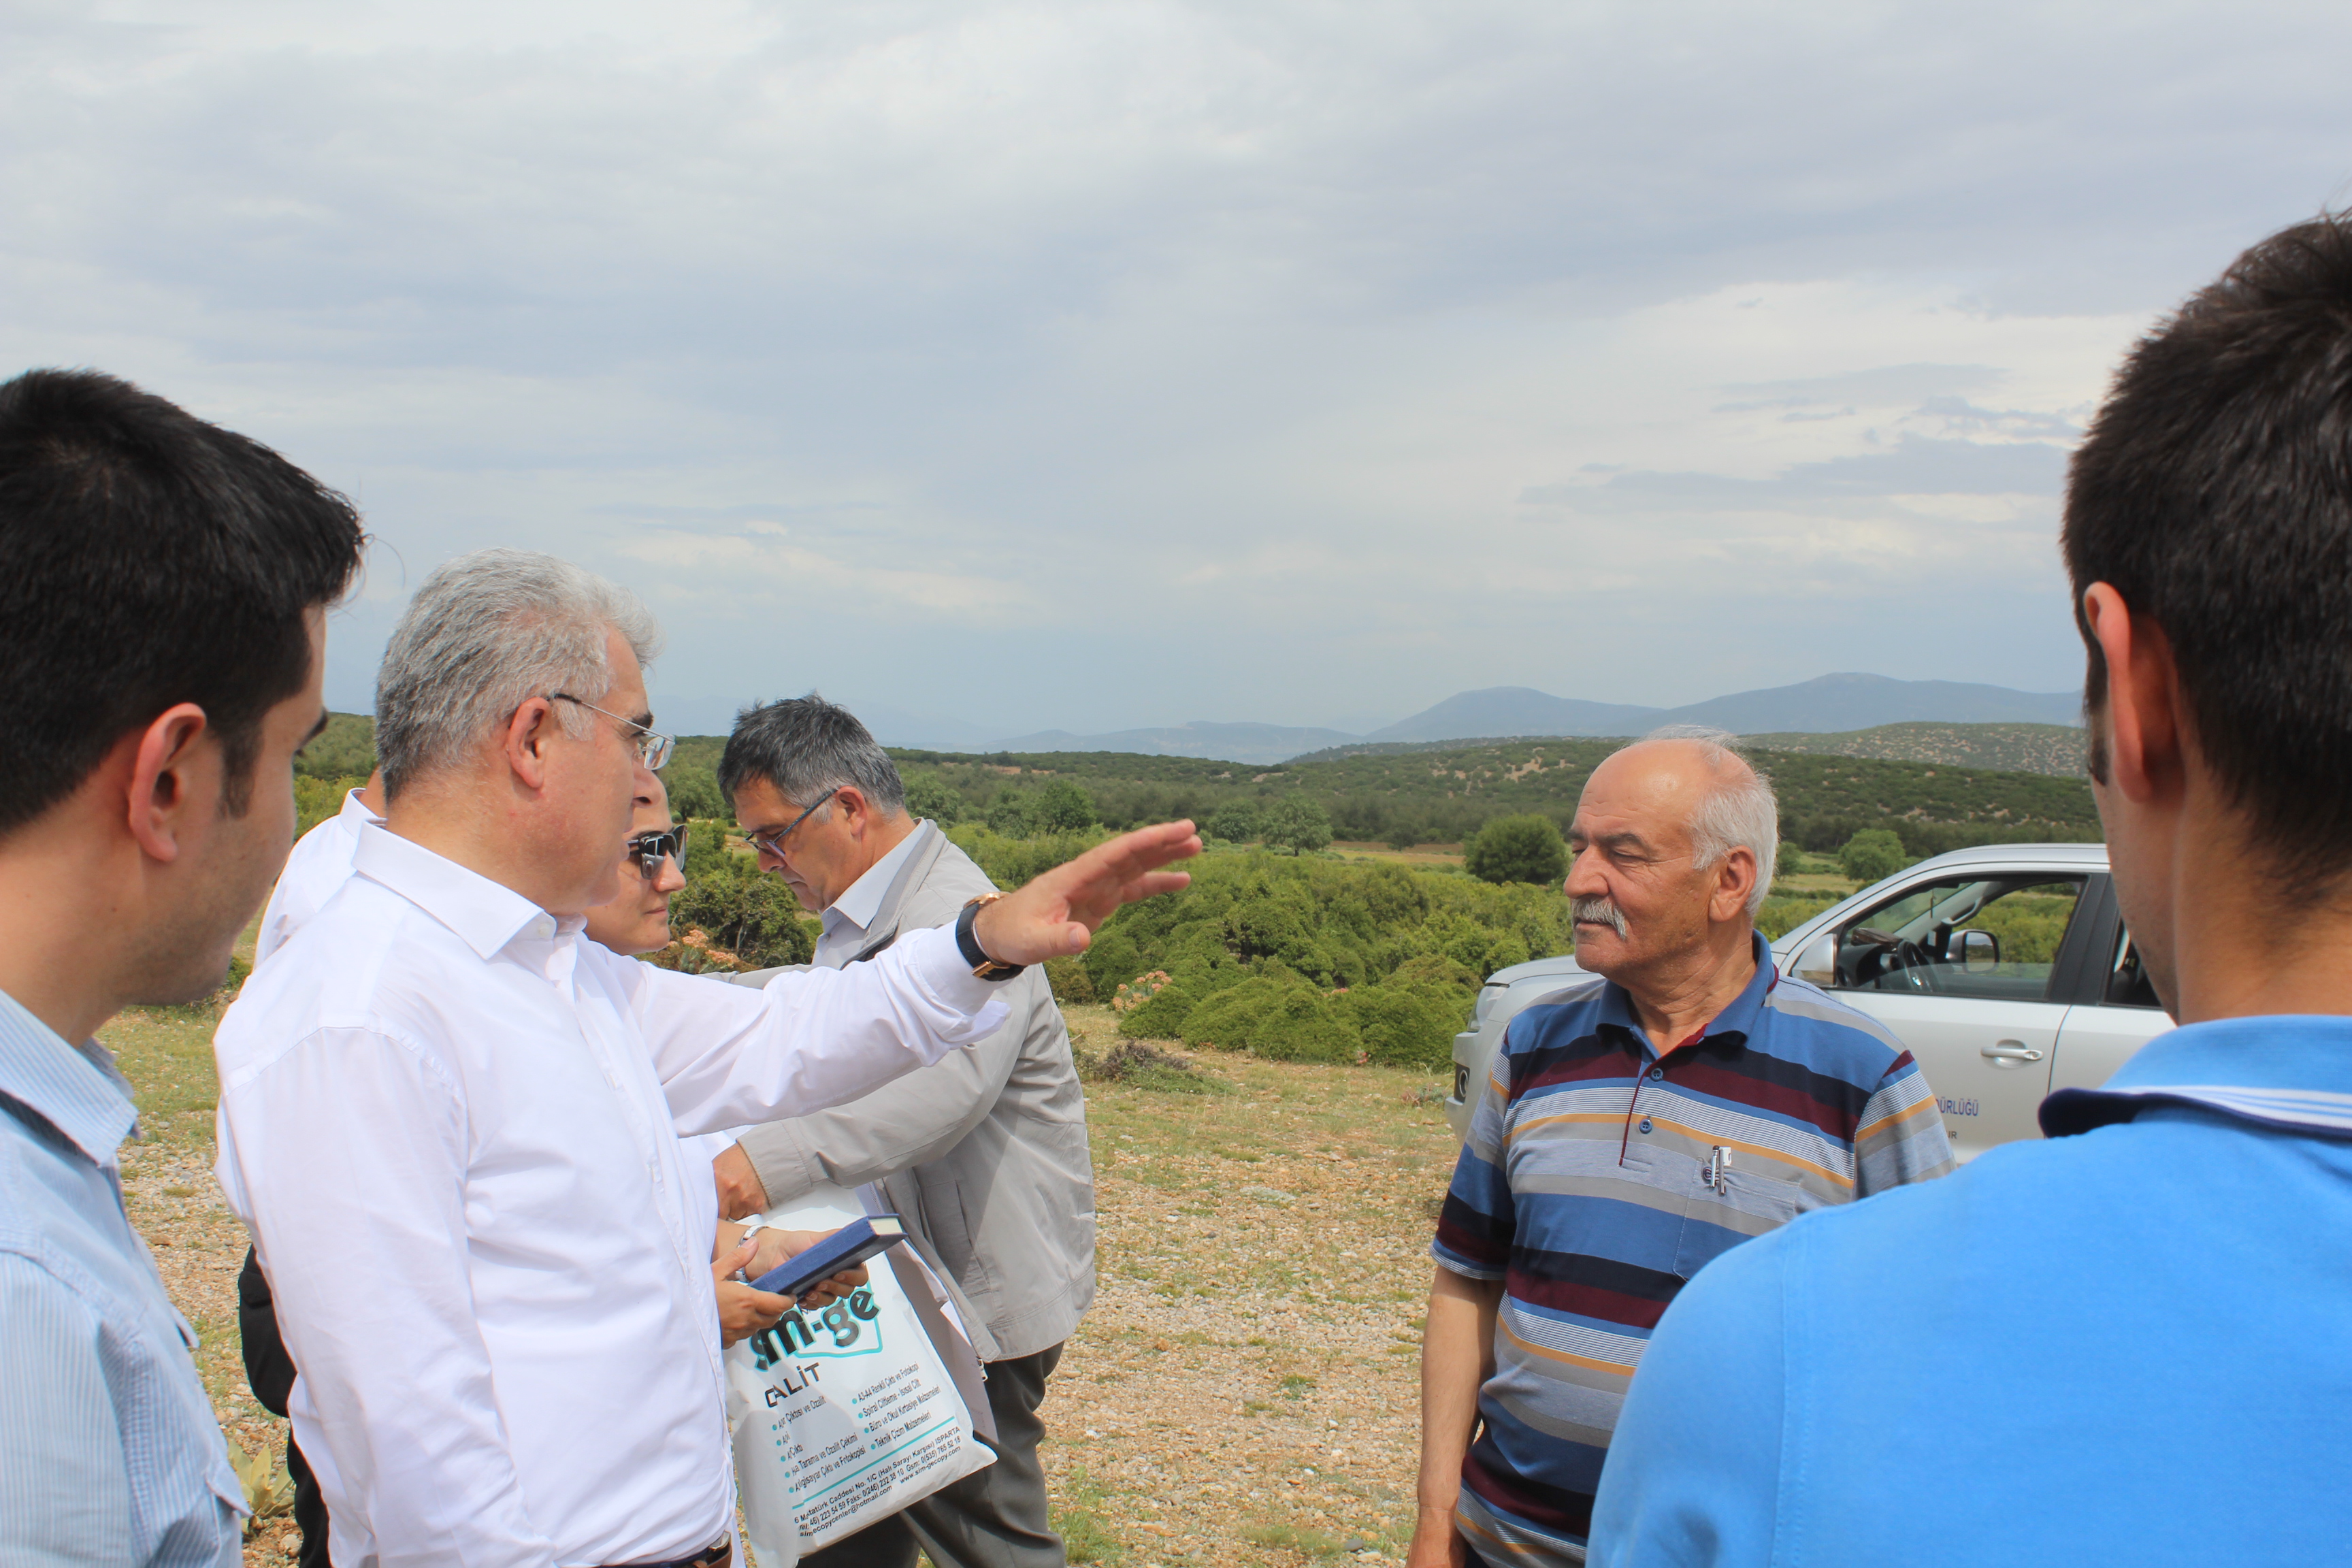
x: 847, y: 1247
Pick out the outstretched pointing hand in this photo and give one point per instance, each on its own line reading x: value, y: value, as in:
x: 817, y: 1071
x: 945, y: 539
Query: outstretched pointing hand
x: 1058, y: 912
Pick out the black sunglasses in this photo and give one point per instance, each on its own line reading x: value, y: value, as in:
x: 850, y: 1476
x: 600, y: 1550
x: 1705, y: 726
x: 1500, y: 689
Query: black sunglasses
x: 650, y: 849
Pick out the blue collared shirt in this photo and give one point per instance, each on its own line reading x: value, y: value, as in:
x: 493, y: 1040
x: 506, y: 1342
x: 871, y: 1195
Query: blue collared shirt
x: 2129, y: 1343
x: 108, y: 1449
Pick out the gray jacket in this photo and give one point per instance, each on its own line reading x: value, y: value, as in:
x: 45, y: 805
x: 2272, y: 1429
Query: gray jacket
x: 983, y: 1154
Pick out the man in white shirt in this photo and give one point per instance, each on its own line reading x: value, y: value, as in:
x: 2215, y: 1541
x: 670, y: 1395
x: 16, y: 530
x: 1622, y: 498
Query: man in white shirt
x: 319, y: 865
x: 452, y: 1125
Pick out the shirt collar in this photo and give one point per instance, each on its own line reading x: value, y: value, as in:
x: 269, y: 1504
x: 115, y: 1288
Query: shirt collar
x: 2291, y: 1070
x: 1737, y: 1018
x: 77, y: 1087
x: 485, y: 914
x: 863, y: 900
x: 355, y: 814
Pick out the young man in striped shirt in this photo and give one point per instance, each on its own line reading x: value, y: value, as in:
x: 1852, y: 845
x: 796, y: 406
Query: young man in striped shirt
x: 1635, y: 1126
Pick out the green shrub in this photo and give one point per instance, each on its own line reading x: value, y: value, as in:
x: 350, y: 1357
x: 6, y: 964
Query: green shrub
x: 1871, y: 854
x: 1062, y: 807
x: 1111, y: 960
x: 1297, y: 825
x: 1070, y: 980
x: 745, y: 914
x: 1434, y: 968
x: 345, y: 749
x: 928, y: 795
x: 1280, y: 1017
x: 1010, y: 862
x: 1008, y: 813
x: 1406, y: 1026
x: 1516, y: 849
x: 1235, y: 824
x: 694, y: 792
x: 1159, y: 1017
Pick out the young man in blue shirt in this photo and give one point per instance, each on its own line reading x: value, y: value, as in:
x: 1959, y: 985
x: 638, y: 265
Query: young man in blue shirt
x: 164, y: 587
x: 2130, y: 1343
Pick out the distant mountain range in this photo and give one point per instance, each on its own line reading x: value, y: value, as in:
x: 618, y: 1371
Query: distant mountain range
x: 1831, y: 704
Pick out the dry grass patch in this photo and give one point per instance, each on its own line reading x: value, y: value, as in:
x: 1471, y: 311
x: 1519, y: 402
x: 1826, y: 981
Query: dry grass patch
x: 1246, y: 1388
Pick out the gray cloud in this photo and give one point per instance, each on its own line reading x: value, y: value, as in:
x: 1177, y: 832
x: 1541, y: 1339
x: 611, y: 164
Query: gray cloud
x: 1914, y: 465
x: 1210, y: 344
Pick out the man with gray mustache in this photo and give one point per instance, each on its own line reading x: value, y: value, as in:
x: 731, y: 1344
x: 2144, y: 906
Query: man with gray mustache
x: 1636, y: 1124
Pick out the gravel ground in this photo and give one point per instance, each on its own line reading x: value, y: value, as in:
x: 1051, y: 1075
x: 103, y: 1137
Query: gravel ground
x: 1243, y: 1391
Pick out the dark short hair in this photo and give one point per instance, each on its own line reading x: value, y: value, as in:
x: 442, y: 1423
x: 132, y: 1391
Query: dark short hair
x: 147, y: 559
x: 2214, y: 493
x: 805, y: 747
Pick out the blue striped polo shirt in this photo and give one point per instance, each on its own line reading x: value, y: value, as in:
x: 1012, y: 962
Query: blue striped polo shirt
x: 1600, y: 1176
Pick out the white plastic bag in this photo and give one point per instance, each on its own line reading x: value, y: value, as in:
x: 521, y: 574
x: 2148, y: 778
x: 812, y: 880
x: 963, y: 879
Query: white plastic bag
x: 844, y: 1414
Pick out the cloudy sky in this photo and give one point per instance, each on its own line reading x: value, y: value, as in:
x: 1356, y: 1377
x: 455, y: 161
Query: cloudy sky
x: 1004, y: 366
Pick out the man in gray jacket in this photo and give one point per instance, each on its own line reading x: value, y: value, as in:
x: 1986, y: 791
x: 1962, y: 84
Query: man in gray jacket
x: 984, y: 1154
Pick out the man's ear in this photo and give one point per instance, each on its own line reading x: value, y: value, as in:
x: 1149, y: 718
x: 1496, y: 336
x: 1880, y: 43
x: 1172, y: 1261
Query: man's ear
x: 856, y: 809
x: 526, y: 742
x: 2143, y: 702
x: 1735, y: 879
x: 169, y: 782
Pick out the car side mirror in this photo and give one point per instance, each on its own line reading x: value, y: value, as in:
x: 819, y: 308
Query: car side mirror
x: 1977, y: 952
x: 1817, y: 963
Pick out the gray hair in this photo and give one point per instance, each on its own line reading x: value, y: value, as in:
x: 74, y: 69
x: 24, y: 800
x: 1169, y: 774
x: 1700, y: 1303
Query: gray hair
x: 1739, y: 813
x: 806, y: 748
x: 487, y: 633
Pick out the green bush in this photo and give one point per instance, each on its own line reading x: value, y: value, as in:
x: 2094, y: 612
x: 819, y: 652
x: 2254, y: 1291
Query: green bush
x: 1062, y: 807
x: 1070, y: 980
x: 1235, y: 824
x: 694, y: 792
x: 1011, y: 861
x: 744, y: 913
x: 1516, y: 849
x: 1159, y: 1018
x: 344, y: 749
x: 928, y: 795
x: 1871, y: 854
x: 1407, y: 1025
x: 1008, y: 813
x: 1280, y: 1017
x: 1111, y: 960
x: 1297, y: 825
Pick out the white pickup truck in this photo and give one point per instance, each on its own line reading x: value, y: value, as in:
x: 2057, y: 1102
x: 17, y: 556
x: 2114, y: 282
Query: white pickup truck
x: 2006, y: 969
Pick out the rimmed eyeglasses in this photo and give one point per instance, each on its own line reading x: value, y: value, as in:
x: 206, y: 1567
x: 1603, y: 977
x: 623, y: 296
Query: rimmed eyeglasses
x: 774, y: 842
x: 653, y: 746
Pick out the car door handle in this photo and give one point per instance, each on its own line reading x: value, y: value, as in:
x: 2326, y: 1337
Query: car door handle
x: 2011, y: 1051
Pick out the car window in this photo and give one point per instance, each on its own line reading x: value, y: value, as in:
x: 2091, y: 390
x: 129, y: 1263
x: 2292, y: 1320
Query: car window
x: 2128, y: 984
x: 1988, y: 937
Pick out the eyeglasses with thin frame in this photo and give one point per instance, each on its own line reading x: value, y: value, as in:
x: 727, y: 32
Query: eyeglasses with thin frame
x: 774, y: 842
x: 647, y: 851
x: 652, y: 746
